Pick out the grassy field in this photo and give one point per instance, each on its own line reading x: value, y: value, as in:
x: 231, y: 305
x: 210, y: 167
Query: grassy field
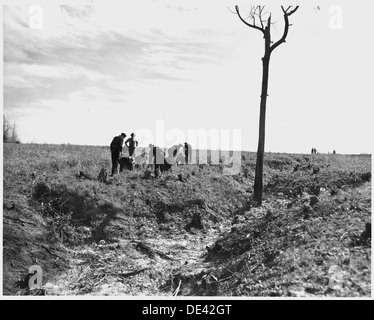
x: 191, y: 231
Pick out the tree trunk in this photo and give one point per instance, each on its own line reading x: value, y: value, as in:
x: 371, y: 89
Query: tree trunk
x: 261, y: 138
x: 269, y: 47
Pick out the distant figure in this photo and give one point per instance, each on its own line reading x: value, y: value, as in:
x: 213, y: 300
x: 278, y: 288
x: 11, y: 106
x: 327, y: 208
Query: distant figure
x: 334, y: 152
x: 116, y: 151
x: 312, y: 150
x: 187, y: 152
x: 131, y: 144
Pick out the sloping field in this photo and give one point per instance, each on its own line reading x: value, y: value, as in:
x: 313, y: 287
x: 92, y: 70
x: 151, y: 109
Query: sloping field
x: 191, y: 231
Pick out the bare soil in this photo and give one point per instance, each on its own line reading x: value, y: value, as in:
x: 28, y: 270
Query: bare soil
x: 189, y: 232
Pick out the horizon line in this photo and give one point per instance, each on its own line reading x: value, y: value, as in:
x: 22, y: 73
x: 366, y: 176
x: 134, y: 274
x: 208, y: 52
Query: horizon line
x: 220, y: 150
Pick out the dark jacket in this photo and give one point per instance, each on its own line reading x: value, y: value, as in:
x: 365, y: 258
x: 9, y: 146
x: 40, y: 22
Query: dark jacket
x: 117, y: 143
x: 131, y: 143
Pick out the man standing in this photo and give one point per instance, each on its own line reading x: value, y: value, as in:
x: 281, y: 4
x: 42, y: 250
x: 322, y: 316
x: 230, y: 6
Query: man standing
x: 151, y: 155
x: 116, y: 151
x: 187, y: 152
x: 131, y: 143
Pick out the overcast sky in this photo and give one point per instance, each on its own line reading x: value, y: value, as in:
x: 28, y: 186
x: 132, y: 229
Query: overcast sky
x: 83, y: 72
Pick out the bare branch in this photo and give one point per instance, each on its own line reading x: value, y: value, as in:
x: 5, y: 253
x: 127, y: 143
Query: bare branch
x: 254, y: 26
x: 291, y: 12
x: 228, y: 8
x: 286, y: 27
x: 252, y: 14
x: 260, y: 16
x: 317, y: 8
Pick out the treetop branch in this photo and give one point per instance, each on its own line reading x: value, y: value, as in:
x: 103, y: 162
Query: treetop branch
x: 286, y: 26
x: 254, y: 26
x: 291, y: 12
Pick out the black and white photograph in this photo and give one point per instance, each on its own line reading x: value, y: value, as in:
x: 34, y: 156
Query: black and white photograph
x: 174, y: 149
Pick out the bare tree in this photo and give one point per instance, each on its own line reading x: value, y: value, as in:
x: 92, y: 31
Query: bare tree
x: 9, y: 131
x: 14, y: 137
x: 261, y: 21
x: 5, y: 129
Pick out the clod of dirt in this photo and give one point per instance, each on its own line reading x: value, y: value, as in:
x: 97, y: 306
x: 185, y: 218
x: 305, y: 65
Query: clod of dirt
x: 147, y: 174
x: 364, y: 239
x: 181, y: 178
x: 151, y: 252
x: 315, y: 170
x: 82, y: 175
x: 196, y: 223
x: 315, y: 190
x: 366, y: 176
x: 103, y: 175
x: 313, y: 201
x: 23, y: 283
x: 367, y: 233
x: 40, y: 190
x: 210, y: 284
x: 278, y: 164
x: 307, y: 211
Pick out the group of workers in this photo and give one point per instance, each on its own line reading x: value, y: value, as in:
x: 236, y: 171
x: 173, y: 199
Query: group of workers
x: 178, y: 154
x: 314, y: 151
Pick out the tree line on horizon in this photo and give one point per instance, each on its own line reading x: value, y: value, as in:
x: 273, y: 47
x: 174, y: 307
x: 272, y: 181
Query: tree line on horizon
x: 10, y: 134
